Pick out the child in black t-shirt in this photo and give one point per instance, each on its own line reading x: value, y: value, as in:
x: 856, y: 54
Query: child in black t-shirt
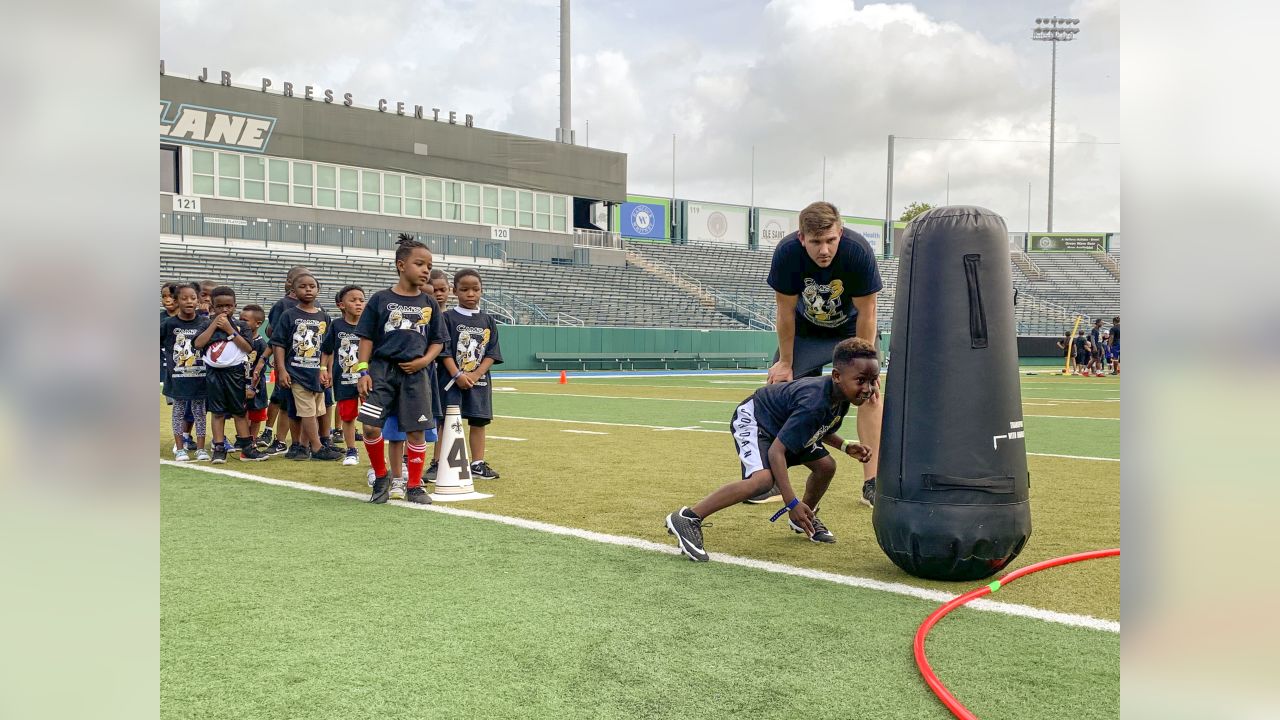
x: 787, y: 424
x: 440, y: 291
x: 277, y: 415
x: 296, y: 340
x: 342, y: 344
x: 227, y: 344
x: 473, y: 335
x: 401, y: 334
x: 257, y: 366
x: 184, y: 380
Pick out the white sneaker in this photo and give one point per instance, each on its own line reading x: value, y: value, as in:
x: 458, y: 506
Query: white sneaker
x: 370, y: 477
x: 352, y: 460
x: 397, y: 488
x: 202, y: 456
x: 180, y: 455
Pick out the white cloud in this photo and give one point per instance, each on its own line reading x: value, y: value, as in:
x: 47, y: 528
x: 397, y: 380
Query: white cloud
x: 815, y: 78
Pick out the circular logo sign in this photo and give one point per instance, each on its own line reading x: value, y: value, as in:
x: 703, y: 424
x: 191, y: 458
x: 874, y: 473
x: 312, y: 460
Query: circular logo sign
x: 773, y: 231
x: 642, y: 219
x: 1046, y: 242
x: 717, y: 224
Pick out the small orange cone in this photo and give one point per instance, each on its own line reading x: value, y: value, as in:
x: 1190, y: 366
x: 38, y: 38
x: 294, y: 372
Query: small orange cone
x: 564, y: 378
x: 273, y: 376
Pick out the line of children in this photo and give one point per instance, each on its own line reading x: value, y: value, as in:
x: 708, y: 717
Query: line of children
x: 448, y: 363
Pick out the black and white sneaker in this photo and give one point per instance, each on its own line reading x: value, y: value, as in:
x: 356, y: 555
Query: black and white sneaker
x: 190, y: 443
x: 764, y: 497
x: 264, y: 439
x: 820, y: 532
x: 381, y: 490
x: 299, y: 453
x: 481, y: 470
x: 335, y: 437
x: 417, y: 495
x: 430, y: 475
x: 869, y: 493
x: 249, y: 453
x: 219, y: 454
x: 276, y: 448
x: 687, y: 528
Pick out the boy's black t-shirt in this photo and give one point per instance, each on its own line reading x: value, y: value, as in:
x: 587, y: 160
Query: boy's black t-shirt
x: 300, y: 333
x: 343, y: 343
x: 799, y: 413
x: 261, y: 349
x: 1080, y: 343
x: 184, y: 365
x: 401, y: 327
x: 277, y: 309
x: 824, y: 305
x: 1115, y: 334
x: 473, y: 335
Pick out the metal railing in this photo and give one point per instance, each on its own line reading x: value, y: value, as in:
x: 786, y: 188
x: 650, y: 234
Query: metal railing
x: 597, y: 239
x: 747, y: 312
x: 567, y: 319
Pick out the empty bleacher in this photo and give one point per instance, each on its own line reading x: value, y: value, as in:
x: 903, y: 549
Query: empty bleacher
x: 528, y: 292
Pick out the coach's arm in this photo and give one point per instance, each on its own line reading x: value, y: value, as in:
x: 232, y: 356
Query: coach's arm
x: 866, y: 328
x: 786, y: 326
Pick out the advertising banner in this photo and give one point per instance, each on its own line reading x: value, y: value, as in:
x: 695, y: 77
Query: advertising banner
x: 709, y: 222
x: 869, y: 228
x: 644, y: 217
x: 1067, y: 242
x: 773, y: 225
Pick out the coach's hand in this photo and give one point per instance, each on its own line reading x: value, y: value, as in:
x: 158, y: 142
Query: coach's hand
x: 859, y: 452
x: 802, y: 516
x: 414, y: 365
x: 364, y: 386
x: 779, y: 372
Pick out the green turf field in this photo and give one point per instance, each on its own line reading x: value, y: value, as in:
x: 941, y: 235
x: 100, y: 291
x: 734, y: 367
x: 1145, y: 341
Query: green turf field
x: 277, y: 602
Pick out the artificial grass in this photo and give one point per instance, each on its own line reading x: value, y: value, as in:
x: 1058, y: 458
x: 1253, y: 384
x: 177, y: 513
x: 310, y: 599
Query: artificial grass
x: 625, y: 481
x: 282, y: 603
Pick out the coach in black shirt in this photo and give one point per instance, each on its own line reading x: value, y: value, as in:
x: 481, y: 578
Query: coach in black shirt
x: 826, y: 280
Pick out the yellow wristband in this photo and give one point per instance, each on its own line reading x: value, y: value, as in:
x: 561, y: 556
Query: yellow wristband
x: 844, y: 446
x: 360, y: 366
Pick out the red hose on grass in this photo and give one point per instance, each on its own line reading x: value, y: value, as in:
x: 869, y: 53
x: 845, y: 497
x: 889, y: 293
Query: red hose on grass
x: 955, y: 706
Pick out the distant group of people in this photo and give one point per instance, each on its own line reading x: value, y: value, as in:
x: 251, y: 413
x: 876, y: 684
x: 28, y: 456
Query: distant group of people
x: 1094, y: 350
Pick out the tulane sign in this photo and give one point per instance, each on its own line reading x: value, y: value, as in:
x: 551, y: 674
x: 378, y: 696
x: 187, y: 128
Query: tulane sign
x: 214, y: 127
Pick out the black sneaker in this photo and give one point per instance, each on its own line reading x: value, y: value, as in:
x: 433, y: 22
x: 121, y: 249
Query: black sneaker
x: 480, y: 469
x: 869, y: 493
x: 275, y: 448
x: 335, y: 437
x: 191, y: 444
x: 417, y: 495
x: 293, y: 451
x: 264, y: 440
x: 381, y: 490
x: 219, y: 454
x: 249, y: 453
x: 359, y: 436
x: 764, y: 497
x: 300, y: 453
x: 820, y: 532
x: 328, y: 452
x: 687, y: 528
x: 430, y: 475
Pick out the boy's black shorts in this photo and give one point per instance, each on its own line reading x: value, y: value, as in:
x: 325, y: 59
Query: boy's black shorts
x: 280, y: 397
x: 225, y: 388
x: 394, y: 392
x: 752, y: 444
x: 476, y: 404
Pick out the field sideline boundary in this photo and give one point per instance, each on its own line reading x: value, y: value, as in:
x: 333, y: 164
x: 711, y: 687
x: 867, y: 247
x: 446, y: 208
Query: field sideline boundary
x: 939, y: 596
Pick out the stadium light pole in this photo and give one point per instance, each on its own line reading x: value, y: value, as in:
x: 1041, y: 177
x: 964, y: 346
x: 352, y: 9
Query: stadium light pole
x: 1054, y: 30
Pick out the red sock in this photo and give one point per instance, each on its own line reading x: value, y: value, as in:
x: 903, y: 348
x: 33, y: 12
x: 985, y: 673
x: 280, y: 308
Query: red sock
x: 417, y: 458
x: 377, y: 457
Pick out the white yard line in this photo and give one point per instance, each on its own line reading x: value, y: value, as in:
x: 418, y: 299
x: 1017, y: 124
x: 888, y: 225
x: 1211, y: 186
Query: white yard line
x: 715, y: 422
x: 938, y: 596
x: 628, y: 397
x: 585, y: 432
x: 1073, y: 417
x: 512, y: 439
x: 694, y: 428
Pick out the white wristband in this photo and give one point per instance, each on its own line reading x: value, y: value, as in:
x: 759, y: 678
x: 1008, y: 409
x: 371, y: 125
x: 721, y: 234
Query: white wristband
x: 844, y: 446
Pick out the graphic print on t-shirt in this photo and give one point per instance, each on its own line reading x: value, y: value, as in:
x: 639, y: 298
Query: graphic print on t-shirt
x: 472, y: 342
x: 186, y: 361
x: 307, y: 334
x: 407, y: 317
x: 348, y: 355
x: 822, y: 303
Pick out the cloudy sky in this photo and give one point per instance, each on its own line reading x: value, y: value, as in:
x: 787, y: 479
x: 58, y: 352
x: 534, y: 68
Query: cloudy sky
x: 799, y: 80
